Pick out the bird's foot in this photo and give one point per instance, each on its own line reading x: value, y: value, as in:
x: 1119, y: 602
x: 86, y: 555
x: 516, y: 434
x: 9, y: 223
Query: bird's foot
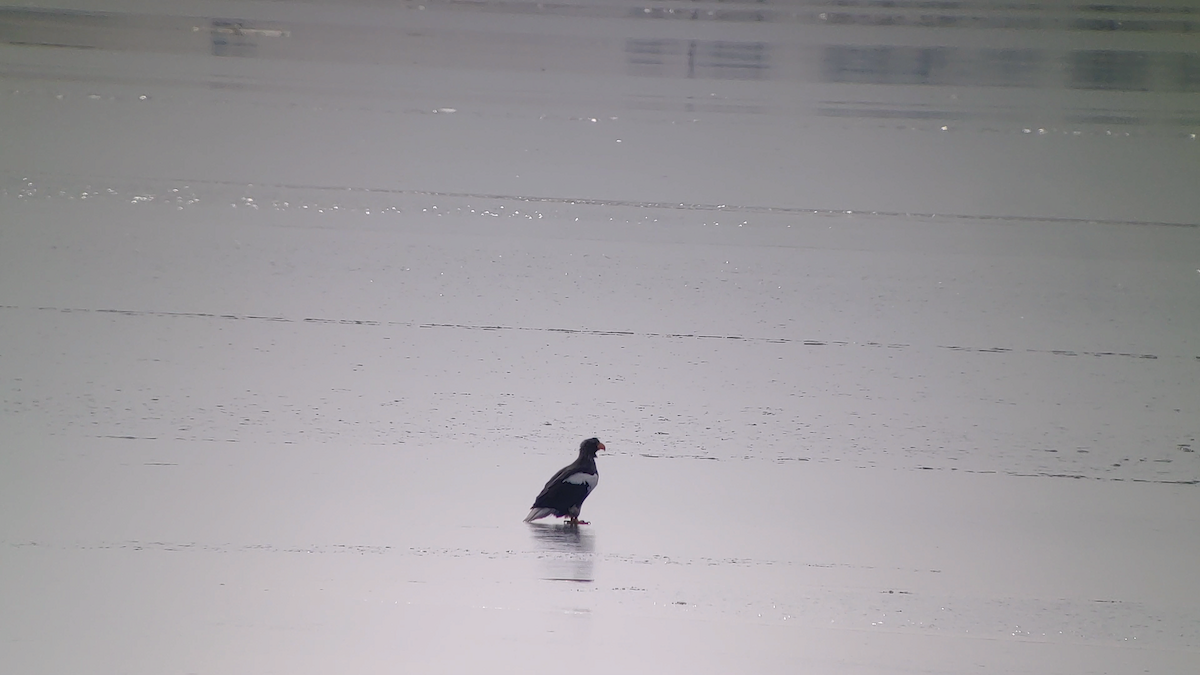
x: 575, y: 522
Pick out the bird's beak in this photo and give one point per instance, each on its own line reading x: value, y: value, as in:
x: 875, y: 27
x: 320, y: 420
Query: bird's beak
x: 601, y: 447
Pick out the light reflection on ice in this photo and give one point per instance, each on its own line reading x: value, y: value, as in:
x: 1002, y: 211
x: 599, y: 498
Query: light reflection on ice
x: 566, y: 553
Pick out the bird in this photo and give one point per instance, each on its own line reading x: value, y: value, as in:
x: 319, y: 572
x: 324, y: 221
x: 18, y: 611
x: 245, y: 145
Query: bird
x: 564, y: 493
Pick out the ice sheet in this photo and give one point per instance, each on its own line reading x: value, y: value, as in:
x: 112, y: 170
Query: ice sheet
x: 887, y: 317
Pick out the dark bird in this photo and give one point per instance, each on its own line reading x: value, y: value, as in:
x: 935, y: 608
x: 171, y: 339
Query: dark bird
x: 564, y: 493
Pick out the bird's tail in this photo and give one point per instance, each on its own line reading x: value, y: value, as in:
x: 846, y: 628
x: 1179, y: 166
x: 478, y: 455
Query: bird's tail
x: 534, y: 514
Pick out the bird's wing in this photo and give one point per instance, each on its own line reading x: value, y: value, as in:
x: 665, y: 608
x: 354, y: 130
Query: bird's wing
x: 571, y: 476
x: 561, y: 476
x: 567, y: 493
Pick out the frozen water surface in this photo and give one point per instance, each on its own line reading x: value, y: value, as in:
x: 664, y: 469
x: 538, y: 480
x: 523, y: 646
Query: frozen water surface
x: 886, y: 312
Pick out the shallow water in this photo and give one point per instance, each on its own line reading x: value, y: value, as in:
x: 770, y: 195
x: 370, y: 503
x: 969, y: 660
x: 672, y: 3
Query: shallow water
x: 885, y: 311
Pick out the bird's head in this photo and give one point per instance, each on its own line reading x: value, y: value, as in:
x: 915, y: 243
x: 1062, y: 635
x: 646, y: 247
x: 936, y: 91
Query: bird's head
x: 590, y: 447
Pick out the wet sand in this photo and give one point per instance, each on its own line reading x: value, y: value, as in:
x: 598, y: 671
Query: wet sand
x: 893, y: 348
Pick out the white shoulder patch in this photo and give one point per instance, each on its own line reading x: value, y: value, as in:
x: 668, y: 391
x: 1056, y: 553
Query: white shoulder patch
x: 591, y: 480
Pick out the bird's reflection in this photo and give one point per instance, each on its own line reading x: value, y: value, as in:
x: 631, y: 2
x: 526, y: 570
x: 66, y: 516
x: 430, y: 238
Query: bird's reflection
x: 566, y: 552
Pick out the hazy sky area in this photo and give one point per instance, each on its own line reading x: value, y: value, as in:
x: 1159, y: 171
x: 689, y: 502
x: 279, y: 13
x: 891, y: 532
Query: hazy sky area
x: 887, y: 314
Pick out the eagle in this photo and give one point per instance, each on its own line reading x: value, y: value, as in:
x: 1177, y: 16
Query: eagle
x: 564, y: 493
